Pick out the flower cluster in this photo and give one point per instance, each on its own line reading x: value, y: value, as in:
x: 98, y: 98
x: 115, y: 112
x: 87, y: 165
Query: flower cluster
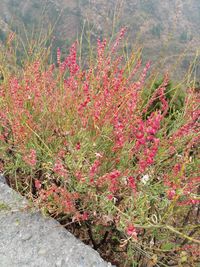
x: 31, y: 158
x: 59, y: 169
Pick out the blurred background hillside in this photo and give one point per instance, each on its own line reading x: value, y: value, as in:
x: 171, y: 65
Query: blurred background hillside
x: 168, y: 31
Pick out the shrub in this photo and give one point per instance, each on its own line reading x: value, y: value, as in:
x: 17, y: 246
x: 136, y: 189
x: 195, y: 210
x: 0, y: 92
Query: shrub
x: 82, y: 144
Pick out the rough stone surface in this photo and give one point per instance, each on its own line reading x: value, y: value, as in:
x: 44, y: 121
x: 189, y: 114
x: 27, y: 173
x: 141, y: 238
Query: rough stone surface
x: 2, y: 179
x: 27, y: 239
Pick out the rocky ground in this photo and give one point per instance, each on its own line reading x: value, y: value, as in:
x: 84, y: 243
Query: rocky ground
x: 28, y: 239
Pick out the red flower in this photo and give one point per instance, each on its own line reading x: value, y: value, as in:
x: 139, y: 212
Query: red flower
x: 131, y: 231
x: 38, y: 184
x: 85, y: 216
x: 131, y: 183
x: 78, y: 146
x: 110, y: 197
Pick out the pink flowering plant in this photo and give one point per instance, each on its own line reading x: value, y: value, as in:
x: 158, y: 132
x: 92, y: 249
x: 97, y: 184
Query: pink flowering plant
x: 90, y: 148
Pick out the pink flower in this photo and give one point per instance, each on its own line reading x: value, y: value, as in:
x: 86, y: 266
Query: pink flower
x: 38, y: 184
x: 31, y: 158
x: 79, y: 176
x: 85, y: 216
x: 171, y: 194
x: 113, y: 179
x: 60, y: 169
x: 131, y: 231
x: 110, y: 197
x: 131, y: 183
x: 94, y: 168
x: 61, y: 153
x: 78, y: 146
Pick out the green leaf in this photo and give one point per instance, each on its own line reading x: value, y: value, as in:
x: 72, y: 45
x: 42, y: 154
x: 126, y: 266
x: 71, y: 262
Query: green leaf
x: 168, y: 246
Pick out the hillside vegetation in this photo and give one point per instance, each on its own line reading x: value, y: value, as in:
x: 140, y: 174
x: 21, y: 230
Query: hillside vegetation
x: 96, y: 136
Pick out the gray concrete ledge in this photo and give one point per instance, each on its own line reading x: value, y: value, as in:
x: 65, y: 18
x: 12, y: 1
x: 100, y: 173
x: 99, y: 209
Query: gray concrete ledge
x: 28, y: 239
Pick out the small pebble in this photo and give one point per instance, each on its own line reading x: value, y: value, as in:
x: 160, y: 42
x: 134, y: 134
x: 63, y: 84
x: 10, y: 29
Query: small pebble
x: 26, y: 237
